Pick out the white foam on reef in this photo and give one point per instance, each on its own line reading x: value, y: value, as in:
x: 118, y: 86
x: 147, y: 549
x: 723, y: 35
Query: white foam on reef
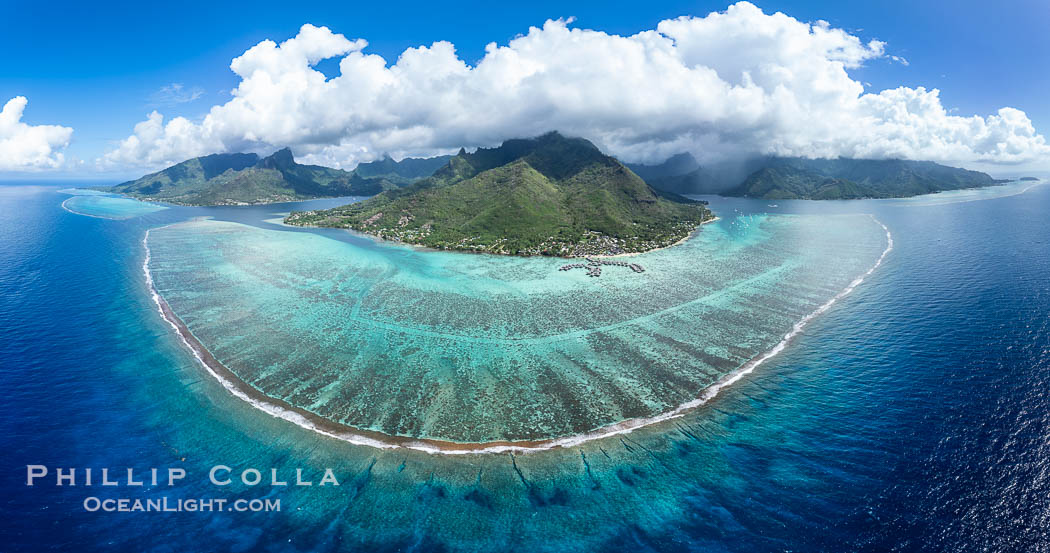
x: 712, y: 391
x: 75, y: 212
x: 266, y: 407
x: 154, y: 207
x: 435, y: 447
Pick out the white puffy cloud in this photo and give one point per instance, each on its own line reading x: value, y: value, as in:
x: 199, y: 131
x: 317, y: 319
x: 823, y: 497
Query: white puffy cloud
x: 731, y: 84
x: 155, y: 143
x: 25, y: 147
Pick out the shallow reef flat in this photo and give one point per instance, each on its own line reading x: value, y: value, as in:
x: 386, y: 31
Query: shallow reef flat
x: 480, y: 348
x: 964, y: 195
x: 99, y: 204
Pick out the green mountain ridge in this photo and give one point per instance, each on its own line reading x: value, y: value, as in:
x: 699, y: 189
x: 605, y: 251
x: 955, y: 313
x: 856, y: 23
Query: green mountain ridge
x: 234, y: 179
x: 549, y: 195
x: 846, y: 179
x: 780, y: 178
x: 405, y: 171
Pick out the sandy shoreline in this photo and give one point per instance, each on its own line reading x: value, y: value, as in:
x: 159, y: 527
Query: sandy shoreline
x: 311, y: 421
x: 691, y: 234
x: 420, y: 248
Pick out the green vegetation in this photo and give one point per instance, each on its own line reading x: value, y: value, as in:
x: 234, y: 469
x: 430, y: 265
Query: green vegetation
x: 845, y: 179
x: 549, y: 195
x: 234, y: 179
x: 402, y: 172
x: 782, y: 178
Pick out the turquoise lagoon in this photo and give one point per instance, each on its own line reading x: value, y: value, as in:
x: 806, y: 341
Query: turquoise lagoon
x: 480, y: 348
x: 909, y: 416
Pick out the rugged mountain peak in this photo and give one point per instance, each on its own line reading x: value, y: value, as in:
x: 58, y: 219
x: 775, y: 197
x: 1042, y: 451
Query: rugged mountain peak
x: 281, y: 159
x: 544, y: 195
x: 552, y: 154
x: 230, y: 179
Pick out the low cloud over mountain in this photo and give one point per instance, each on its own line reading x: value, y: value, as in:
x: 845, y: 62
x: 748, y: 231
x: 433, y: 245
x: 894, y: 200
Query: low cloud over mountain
x: 731, y: 84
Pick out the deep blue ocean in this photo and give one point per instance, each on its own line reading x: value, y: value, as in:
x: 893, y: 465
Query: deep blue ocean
x: 912, y: 416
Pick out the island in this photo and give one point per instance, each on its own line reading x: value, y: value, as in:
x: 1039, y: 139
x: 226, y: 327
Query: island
x: 247, y: 179
x: 549, y: 195
x: 794, y: 178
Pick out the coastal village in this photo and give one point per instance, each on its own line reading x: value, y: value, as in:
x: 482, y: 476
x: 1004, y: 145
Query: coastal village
x: 588, y: 244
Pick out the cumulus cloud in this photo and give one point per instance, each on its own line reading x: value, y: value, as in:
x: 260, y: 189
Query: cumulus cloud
x: 730, y: 84
x: 25, y: 147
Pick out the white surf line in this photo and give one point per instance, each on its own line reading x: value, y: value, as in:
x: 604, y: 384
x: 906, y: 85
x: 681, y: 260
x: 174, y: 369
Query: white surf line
x: 631, y: 425
x: 623, y: 427
x: 268, y: 408
x: 82, y: 214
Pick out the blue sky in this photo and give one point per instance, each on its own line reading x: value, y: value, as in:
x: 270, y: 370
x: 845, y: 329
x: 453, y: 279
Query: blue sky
x: 101, y: 69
